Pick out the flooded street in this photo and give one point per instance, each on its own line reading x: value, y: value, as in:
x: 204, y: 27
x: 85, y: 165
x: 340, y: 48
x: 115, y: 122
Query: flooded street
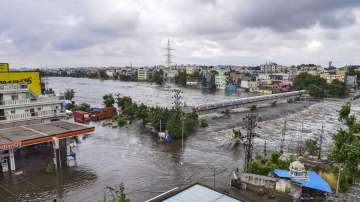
x: 146, y: 166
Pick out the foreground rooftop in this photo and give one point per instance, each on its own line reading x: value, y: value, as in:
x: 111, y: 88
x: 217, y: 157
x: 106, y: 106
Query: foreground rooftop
x: 22, y: 136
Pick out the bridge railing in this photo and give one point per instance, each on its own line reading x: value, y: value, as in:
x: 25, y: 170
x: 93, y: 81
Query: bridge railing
x: 246, y: 100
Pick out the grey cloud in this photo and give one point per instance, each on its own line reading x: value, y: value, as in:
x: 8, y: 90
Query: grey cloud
x: 285, y: 15
x: 90, y: 32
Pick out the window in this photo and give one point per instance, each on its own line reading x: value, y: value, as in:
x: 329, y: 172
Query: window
x: 39, y: 108
x: 15, y: 97
x: 12, y: 111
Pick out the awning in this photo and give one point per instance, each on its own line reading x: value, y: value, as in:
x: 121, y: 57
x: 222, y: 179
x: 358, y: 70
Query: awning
x: 313, y: 181
x: 22, y: 136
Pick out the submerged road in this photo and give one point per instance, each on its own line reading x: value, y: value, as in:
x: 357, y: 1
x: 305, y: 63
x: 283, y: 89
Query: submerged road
x: 146, y: 166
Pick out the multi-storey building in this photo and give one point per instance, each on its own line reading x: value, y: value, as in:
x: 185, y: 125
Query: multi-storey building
x: 332, y: 75
x: 272, y: 68
x: 20, y: 106
x: 221, y: 79
x: 142, y: 74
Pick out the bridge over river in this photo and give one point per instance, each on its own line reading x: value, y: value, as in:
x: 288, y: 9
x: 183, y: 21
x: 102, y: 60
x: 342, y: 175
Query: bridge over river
x: 247, y: 102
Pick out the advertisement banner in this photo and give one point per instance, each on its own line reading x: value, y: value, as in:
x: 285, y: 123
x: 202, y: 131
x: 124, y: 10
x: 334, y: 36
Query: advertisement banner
x: 31, y: 78
x: 4, y: 67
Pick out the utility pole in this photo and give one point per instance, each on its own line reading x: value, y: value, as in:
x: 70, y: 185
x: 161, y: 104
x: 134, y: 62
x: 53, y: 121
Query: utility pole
x: 338, y: 180
x: 282, y: 145
x: 250, y: 124
x: 321, y: 140
x: 160, y: 124
x: 182, y: 135
x: 214, y: 177
x: 265, y: 150
x: 299, y: 142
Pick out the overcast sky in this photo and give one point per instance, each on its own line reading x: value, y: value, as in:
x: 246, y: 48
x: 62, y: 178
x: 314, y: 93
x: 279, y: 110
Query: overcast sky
x: 36, y: 33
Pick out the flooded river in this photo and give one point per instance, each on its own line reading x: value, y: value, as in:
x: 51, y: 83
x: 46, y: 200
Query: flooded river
x: 148, y: 167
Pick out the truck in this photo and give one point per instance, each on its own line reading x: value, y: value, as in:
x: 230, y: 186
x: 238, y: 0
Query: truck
x: 98, y: 114
x: 81, y: 117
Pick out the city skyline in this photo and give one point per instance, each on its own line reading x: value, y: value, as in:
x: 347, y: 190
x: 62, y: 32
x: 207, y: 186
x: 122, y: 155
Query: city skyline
x: 113, y: 33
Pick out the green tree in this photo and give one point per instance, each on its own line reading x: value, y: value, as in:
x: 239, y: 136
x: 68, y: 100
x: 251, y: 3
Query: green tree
x: 318, y: 87
x: 69, y: 94
x: 263, y: 166
x: 180, y: 79
x: 84, y: 107
x: 108, y: 100
x: 102, y: 74
x: 158, y: 77
x: 121, y: 120
x: 346, y: 149
x: 336, y: 89
x: 311, y: 146
x: 174, y: 125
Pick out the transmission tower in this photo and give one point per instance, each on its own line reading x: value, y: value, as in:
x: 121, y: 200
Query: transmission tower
x: 300, y: 146
x: 168, y: 54
x: 177, y: 98
x: 250, y: 124
x: 282, y: 145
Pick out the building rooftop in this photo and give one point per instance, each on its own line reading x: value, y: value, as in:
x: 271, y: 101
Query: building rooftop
x: 313, y: 181
x: 197, y: 193
x: 38, y: 133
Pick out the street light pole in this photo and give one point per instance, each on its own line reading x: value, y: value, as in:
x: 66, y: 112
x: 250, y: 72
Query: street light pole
x: 182, y: 136
x: 338, y: 181
x: 214, y: 177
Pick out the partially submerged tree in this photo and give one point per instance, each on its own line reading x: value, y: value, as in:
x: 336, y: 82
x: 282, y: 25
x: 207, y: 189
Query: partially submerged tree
x: 346, y: 150
x: 108, y: 100
x: 311, y: 146
x: 69, y: 94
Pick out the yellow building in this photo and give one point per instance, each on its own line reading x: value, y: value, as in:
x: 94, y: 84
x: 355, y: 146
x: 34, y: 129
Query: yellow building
x: 4, y: 67
x: 189, y: 70
x: 339, y: 75
x: 142, y: 74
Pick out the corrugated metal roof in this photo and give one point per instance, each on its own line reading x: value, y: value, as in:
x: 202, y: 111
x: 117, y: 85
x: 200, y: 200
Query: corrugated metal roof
x: 314, y: 181
x: 197, y: 193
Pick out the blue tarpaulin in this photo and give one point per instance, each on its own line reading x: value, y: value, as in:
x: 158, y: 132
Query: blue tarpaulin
x: 313, y: 181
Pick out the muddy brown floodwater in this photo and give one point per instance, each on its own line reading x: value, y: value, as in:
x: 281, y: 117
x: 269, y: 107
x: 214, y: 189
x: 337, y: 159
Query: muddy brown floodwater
x: 148, y: 167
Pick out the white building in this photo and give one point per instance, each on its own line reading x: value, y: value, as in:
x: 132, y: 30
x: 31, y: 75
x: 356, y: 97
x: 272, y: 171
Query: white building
x: 273, y: 68
x: 19, y: 106
x: 221, y: 79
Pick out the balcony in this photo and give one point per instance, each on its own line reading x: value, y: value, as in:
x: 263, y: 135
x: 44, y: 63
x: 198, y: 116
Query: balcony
x: 41, y: 100
x: 13, y: 87
x: 33, y: 115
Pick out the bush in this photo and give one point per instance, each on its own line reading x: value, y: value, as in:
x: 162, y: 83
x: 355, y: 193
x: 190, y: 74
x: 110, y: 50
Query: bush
x: 84, y: 107
x: 50, y: 168
x: 121, y: 120
x: 263, y: 166
x: 108, y: 100
x: 311, y: 146
x: 203, y: 123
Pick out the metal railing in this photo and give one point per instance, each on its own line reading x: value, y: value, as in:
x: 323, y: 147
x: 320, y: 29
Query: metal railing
x: 15, y: 102
x: 41, y: 99
x: 12, y: 87
x: 40, y: 114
